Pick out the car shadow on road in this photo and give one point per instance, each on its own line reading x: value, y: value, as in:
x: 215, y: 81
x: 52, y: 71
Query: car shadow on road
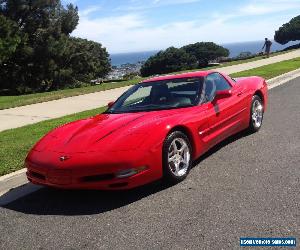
x: 47, y: 201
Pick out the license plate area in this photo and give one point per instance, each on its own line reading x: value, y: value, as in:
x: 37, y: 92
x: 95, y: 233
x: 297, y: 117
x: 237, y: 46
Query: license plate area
x: 60, y: 176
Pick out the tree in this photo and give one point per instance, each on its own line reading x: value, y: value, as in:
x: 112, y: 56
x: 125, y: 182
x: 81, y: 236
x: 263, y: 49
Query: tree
x: 289, y: 31
x: 88, y: 60
x: 69, y: 19
x: 46, y: 57
x: 205, y: 52
x: 9, y: 38
x: 188, y: 57
x: 170, y: 60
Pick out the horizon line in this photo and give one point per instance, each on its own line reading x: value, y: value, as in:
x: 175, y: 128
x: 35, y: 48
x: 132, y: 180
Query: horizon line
x: 152, y: 50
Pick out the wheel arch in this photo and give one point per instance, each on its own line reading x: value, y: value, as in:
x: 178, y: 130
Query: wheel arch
x: 261, y: 95
x: 188, y: 133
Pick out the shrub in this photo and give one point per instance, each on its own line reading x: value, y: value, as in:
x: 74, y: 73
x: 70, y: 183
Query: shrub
x: 170, y: 60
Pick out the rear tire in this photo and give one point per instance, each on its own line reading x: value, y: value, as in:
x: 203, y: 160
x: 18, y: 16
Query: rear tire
x: 256, y: 114
x: 177, y: 157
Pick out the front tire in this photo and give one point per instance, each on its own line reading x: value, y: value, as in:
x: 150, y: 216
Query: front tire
x: 177, y: 157
x: 256, y: 114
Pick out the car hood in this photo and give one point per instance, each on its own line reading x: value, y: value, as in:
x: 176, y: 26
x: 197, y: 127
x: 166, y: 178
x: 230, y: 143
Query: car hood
x: 102, y: 132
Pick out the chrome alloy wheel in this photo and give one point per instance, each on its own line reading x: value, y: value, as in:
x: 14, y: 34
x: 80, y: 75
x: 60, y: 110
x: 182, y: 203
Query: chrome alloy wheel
x: 257, y: 113
x: 179, y: 157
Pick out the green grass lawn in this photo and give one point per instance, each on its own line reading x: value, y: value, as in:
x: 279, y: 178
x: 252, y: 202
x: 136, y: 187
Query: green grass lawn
x: 15, y: 143
x: 272, y: 70
x: 16, y: 101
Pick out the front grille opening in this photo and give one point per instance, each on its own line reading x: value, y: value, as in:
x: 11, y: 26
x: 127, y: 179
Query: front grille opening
x: 37, y: 175
x: 118, y: 185
x: 97, y: 178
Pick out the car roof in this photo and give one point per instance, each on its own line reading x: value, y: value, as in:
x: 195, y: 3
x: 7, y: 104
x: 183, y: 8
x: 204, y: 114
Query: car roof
x: 178, y: 76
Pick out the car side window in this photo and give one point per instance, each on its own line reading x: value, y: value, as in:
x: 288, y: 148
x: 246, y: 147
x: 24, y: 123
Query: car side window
x: 221, y: 82
x: 209, y: 88
x: 214, y: 82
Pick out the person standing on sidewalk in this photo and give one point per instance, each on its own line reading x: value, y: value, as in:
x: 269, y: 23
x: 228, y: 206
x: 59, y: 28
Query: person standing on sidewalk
x: 267, y: 46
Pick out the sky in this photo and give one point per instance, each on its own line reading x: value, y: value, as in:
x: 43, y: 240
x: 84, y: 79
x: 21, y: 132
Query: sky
x: 143, y: 25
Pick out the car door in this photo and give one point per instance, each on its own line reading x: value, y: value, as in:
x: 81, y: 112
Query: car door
x: 223, y: 112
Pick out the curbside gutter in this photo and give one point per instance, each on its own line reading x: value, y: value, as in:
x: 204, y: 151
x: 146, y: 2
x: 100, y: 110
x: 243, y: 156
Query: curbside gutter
x: 18, y: 178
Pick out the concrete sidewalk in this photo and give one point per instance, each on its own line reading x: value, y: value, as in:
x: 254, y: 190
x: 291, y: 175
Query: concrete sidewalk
x: 255, y: 64
x: 29, y: 114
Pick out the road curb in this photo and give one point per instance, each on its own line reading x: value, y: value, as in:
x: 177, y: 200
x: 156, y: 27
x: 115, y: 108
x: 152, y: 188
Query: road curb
x: 279, y: 80
x: 18, y: 178
x: 12, y: 180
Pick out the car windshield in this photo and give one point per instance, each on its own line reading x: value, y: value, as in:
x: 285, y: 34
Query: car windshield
x: 159, y: 95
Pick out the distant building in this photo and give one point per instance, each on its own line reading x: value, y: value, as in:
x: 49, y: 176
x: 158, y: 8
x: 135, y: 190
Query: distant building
x: 117, y: 73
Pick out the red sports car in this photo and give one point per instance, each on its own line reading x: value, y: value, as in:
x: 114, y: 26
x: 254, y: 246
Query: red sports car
x: 154, y: 130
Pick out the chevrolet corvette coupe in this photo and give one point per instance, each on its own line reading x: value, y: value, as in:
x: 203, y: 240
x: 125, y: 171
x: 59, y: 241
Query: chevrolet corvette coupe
x: 153, y: 131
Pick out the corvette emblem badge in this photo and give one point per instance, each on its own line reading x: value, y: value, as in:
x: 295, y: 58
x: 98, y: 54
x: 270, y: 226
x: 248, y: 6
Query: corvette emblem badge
x: 64, y: 158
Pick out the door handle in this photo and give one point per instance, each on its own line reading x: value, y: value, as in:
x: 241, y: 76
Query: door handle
x: 240, y: 93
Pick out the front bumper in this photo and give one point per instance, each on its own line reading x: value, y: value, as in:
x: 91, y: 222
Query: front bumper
x: 86, y: 171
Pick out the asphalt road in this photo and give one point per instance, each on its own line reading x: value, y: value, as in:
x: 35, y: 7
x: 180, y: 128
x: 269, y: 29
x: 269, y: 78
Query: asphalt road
x: 248, y: 186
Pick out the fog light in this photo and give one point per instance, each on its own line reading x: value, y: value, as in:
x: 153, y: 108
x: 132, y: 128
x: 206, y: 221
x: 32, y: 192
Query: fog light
x: 130, y: 172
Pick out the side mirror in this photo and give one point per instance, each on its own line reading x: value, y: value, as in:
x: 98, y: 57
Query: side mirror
x: 223, y: 93
x: 110, y: 104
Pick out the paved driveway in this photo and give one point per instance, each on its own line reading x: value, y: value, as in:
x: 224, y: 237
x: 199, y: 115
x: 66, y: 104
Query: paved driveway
x: 247, y: 186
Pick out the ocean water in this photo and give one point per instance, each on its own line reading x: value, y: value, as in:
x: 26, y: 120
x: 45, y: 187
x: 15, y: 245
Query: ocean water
x: 253, y: 47
x: 134, y: 57
x: 234, y: 48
